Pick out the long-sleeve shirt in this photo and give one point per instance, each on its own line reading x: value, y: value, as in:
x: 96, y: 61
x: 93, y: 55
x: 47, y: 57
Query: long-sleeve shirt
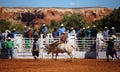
x: 35, y: 46
x: 106, y: 33
x: 44, y: 30
x: 61, y: 30
x: 9, y: 44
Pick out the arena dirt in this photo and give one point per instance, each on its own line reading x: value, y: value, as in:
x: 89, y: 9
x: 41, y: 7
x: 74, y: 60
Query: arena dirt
x: 61, y: 65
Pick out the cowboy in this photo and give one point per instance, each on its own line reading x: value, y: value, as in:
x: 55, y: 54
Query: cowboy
x: 63, y: 38
x: 44, y: 30
x: 35, y: 49
x: 106, y: 33
x: 61, y: 29
x: 109, y: 49
x: 14, y: 32
x: 9, y: 45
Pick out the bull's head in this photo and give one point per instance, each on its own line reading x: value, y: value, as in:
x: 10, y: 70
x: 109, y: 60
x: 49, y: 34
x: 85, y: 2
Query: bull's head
x: 47, y: 46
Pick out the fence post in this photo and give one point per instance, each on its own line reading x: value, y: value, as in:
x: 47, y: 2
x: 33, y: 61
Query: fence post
x: 97, y: 47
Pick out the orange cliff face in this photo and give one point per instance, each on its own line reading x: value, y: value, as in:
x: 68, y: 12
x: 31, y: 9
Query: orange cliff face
x: 37, y: 16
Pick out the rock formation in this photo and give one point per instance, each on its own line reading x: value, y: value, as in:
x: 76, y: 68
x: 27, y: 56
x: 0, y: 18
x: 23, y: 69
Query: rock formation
x: 37, y: 16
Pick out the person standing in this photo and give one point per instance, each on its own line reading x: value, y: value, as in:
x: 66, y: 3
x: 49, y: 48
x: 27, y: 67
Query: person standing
x: 72, y: 31
x: 35, y: 34
x: 106, y: 33
x: 14, y: 32
x: 94, y: 32
x: 79, y: 32
x: 110, y: 48
x: 9, y: 34
x: 30, y: 33
x: 0, y: 45
x: 9, y: 45
x: 88, y: 33
x: 25, y: 32
x: 112, y: 32
x: 93, y: 37
x: 1, y: 38
x: 28, y: 39
x: 44, y: 30
x: 61, y: 29
x: 55, y: 34
x: 35, y: 49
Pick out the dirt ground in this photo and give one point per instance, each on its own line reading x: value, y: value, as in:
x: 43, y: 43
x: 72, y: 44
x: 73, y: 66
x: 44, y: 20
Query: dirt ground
x: 61, y: 65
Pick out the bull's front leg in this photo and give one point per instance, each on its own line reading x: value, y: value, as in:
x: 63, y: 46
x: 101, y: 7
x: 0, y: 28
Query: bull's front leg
x: 56, y: 56
x: 71, y: 56
x: 48, y: 51
x: 52, y: 55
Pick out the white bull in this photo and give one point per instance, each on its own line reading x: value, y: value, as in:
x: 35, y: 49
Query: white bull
x: 60, y: 48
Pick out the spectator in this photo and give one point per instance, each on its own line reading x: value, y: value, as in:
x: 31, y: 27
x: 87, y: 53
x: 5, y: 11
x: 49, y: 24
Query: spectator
x: 9, y: 34
x: 29, y: 33
x: 44, y: 30
x: 106, y: 33
x: 55, y: 34
x: 25, y: 32
x: 93, y: 32
x: 88, y: 33
x: 93, y: 37
x: 1, y: 36
x: 83, y: 32
x: 5, y: 34
x: 35, y: 34
x: 14, y: 32
x: 112, y: 32
x: 0, y: 41
x: 79, y: 32
x: 72, y: 31
x: 35, y: 50
x: 9, y: 45
x: 0, y: 46
x: 61, y: 29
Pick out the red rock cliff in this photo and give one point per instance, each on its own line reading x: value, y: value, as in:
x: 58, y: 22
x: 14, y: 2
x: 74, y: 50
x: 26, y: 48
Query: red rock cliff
x: 38, y: 16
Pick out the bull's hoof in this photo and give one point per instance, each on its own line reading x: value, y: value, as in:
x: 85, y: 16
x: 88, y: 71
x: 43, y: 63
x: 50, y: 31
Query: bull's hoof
x: 55, y: 59
x: 72, y: 60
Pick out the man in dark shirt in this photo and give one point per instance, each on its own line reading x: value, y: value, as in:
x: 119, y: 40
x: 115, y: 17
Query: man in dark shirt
x: 93, y: 32
x: 109, y: 49
x: 35, y: 50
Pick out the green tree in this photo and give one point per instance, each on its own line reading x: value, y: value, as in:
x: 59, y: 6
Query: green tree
x: 113, y: 20
x: 18, y: 27
x: 74, y: 20
x: 4, y: 24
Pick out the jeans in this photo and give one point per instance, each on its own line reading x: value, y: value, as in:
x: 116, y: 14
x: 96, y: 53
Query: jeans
x: 10, y: 52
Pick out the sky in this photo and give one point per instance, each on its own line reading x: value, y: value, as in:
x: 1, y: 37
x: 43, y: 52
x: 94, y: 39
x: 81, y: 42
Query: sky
x: 61, y: 3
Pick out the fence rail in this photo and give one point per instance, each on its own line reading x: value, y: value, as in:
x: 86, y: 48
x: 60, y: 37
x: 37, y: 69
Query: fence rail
x: 24, y: 45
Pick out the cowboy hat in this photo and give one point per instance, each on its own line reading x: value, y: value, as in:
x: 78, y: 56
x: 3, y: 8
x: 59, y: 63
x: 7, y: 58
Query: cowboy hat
x: 62, y: 24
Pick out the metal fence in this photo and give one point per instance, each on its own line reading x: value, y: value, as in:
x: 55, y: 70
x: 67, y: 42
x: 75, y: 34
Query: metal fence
x: 24, y: 45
